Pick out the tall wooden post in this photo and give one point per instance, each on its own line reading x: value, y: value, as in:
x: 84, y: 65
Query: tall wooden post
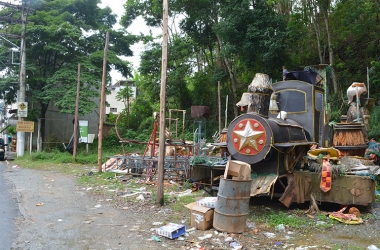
x: 220, y: 109
x: 161, y: 154
x: 102, y: 105
x: 76, y: 117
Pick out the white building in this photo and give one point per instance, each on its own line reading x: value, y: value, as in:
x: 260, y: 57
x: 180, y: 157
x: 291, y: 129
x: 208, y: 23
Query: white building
x: 115, y: 106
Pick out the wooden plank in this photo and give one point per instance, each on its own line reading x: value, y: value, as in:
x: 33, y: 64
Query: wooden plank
x: 290, y: 194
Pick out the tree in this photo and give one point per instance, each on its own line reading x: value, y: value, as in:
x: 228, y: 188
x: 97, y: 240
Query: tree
x: 125, y: 95
x: 62, y: 34
x: 226, y: 41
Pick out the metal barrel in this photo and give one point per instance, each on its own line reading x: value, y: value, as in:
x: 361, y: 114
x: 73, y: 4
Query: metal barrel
x: 232, y: 205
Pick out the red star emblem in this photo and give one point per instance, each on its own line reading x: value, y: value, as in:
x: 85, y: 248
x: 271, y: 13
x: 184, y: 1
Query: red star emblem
x: 249, y: 137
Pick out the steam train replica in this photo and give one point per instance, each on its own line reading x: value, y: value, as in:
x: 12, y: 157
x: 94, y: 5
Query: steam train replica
x: 280, y: 125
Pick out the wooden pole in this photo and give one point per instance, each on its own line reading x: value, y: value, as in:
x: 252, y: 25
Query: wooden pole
x: 220, y: 109
x: 31, y: 143
x: 102, y: 105
x: 76, y: 118
x: 225, y: 113
x: 368, y: 82
x: 161, y: 154
x: 39, y: 135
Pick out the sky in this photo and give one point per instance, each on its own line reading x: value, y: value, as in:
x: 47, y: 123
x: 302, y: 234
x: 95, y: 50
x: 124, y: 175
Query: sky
x: 137, y: 27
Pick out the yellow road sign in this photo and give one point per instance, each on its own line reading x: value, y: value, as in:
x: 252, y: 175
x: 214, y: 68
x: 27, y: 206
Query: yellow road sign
x: 25, y: 126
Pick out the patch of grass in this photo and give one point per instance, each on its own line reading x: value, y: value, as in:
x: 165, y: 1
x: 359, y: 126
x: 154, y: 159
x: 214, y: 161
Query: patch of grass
x: 187, y: 185
x: 35, y: 159
x: 153, y: 197
x: 174, y: 217
x: 273, y: 218
x: 322, y: 217
x: 339, y: 247
x: 178, y: 204
x: 370, y: 216
x: 105, y: 179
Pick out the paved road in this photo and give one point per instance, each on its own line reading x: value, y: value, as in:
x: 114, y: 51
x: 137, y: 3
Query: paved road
x: 8, y: 211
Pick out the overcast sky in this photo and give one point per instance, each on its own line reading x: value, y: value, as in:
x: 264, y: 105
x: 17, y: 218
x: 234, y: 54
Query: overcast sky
x: 136, y: 28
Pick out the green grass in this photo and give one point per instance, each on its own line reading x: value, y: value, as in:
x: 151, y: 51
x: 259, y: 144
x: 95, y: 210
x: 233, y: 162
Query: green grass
x: 293, y: 219
x: 340, y: 247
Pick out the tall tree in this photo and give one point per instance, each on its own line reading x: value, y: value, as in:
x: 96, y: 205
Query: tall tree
x: 61, y: 34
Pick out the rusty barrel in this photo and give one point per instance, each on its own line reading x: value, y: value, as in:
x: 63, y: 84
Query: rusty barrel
x: 232, y: 205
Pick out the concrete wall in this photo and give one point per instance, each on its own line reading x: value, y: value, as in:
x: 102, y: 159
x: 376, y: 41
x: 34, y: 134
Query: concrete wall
x: 60, y: 125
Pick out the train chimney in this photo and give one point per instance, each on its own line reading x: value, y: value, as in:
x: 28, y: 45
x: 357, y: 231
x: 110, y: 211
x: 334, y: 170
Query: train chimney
x: 260, y: 91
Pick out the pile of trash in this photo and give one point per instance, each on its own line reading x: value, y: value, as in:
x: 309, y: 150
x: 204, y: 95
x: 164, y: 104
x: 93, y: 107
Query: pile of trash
x: 347, y: 165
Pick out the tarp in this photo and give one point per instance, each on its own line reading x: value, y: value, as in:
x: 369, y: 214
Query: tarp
x: 306, y: 76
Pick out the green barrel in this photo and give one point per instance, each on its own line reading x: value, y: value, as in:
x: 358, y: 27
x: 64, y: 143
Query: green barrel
x: 232, y: 206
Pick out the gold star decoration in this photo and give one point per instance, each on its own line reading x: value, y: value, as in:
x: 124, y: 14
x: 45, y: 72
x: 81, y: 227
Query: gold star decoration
x: 248, y: 136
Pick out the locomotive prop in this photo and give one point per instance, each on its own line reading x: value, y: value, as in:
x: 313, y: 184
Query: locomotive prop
x: 284, y: 134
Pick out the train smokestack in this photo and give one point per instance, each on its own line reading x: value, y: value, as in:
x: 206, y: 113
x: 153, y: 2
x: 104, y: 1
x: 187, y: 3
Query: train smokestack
x: 260, y: 91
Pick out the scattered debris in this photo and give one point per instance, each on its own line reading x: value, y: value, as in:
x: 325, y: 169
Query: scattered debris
x: 373, y: 247
x: 154, y: 237
x: 184, y: 193
x: 206, y: 236
x: 269, y: 235
x: 228, y: 239
x: 345, y: 218
x: 191, y: 229
x: 280, y: 227
x: 207, y: 202
x: 251, y: 225
x: 140, y: 198
x: 87, y: 222
x: 171, y: 230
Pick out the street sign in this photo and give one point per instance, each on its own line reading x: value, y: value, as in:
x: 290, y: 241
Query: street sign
x: 22, y: 109
x: 25, y: 126
x: 83, y: 131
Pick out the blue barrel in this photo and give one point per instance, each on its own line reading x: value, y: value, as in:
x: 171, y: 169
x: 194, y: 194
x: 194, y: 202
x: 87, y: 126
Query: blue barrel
x: 232, y: 205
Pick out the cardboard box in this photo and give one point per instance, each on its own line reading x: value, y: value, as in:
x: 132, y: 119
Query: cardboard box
x: 171, y: 230
x: 207, y: 202
x: 200, y: 217
x: 238, y: 169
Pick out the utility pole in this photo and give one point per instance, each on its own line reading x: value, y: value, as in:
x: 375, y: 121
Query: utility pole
x: 76, y: 117
x: 22, y: 75
x: 161, y: 153
x: 102, y: 104
x: 21, y: 97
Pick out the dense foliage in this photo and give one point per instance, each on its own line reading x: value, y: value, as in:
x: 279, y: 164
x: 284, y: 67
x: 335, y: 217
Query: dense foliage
x: 230, y: 41
x: 210, y: 41
x: 61, y: 36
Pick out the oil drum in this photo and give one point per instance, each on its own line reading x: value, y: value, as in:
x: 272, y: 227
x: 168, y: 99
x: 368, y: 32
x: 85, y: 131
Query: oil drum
x: 232, y: 205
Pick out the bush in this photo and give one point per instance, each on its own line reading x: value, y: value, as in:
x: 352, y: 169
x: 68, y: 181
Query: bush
x: 54, y: 144
x: 374, y: 124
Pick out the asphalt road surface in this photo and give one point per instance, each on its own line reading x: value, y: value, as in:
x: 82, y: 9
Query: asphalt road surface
x: 8, y: 211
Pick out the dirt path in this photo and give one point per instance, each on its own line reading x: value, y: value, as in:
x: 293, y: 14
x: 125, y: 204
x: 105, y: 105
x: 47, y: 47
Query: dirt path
x: 57, y: 213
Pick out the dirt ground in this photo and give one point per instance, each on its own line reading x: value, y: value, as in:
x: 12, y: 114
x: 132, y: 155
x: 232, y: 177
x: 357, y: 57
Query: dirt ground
x: 58, y: 213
